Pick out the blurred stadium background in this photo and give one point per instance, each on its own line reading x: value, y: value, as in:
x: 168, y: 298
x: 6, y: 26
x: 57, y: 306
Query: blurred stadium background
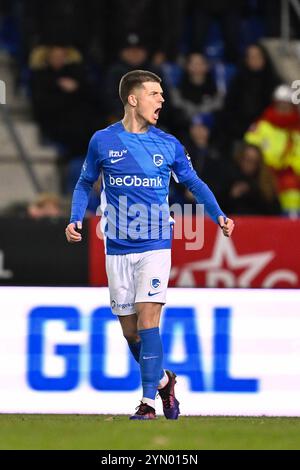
x: 231, y: 327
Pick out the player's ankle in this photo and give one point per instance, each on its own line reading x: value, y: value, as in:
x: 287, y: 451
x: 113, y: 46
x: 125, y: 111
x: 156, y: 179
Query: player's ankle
x: 149, y: 402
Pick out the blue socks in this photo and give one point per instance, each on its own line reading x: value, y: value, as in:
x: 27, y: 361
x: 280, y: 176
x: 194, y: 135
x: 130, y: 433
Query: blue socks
x: 151, y: 357
x: 135, y: 349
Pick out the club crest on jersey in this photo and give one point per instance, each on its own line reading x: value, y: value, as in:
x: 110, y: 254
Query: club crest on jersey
x: 158, y: 159
x: 155, y: 282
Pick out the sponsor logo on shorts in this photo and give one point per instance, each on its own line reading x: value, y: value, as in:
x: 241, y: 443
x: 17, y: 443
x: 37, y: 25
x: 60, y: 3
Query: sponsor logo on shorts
x: 153, y: 293
x: 150, y: 357
x: 115, y: 304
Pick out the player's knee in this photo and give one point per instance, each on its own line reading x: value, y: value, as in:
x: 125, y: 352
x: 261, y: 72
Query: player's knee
x: 149, y: 317
x: 147, y: 324
x: 131, y: 337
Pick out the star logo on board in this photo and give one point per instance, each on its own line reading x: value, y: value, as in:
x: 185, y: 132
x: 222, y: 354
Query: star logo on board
x: 224, y: 252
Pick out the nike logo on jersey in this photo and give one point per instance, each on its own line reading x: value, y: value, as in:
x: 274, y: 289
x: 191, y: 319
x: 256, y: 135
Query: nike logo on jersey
x: 115, y: 160
x: 154, y: 293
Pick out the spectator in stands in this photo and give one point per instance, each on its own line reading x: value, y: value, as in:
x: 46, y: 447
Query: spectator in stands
x: 159, y: 23
x: 277, y: 133
x: 63, y: 102
x: 248, y: 95
x: 249, y: 188
x: 71, y: 21
x: 170, y: 28
x: 197, y: 92
x: 45, y: 205
x: 133, y: 55
x: 204, y: 156
x: 227, y: 14
x: 198, y: 144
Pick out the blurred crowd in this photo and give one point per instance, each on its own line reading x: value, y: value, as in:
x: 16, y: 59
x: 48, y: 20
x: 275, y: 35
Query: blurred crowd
x: 224, y: 100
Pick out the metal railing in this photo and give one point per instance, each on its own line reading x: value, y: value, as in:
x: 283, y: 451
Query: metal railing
x: 285, y: 20
x: 22, y: 154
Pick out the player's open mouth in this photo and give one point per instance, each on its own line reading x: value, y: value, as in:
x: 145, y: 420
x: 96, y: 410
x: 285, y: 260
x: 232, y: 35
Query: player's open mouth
x: 156, y: 113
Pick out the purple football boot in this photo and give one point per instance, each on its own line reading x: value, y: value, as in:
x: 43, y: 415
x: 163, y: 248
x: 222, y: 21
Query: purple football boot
x: 144, y: 411
x: 167, y: 394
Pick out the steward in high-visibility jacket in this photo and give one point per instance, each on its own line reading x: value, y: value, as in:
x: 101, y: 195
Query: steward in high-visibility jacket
x: 277, y: 133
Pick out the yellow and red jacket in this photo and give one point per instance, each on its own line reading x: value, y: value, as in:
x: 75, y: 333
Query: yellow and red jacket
x: 278, y: 136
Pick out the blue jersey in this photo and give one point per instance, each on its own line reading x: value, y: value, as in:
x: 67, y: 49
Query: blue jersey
x: 135, y: 170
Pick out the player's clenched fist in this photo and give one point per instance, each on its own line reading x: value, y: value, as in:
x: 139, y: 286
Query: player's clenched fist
x: 226, y: 225
x: 72, y: 233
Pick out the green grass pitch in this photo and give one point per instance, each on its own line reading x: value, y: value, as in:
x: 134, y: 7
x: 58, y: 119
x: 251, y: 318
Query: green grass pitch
x: 117, y: 432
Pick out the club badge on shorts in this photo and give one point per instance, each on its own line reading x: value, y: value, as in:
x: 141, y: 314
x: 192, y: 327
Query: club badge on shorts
x: 155, y: 283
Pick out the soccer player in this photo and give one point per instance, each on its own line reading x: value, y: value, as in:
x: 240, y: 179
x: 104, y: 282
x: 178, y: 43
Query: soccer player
x: 135, y: 160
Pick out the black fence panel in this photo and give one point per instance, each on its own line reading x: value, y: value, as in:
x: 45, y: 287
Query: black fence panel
x: 35, y: 252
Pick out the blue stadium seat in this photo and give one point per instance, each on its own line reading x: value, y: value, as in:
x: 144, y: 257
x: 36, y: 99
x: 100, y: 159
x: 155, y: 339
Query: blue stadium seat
x: 214, y: 48
x: 9, y: 35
